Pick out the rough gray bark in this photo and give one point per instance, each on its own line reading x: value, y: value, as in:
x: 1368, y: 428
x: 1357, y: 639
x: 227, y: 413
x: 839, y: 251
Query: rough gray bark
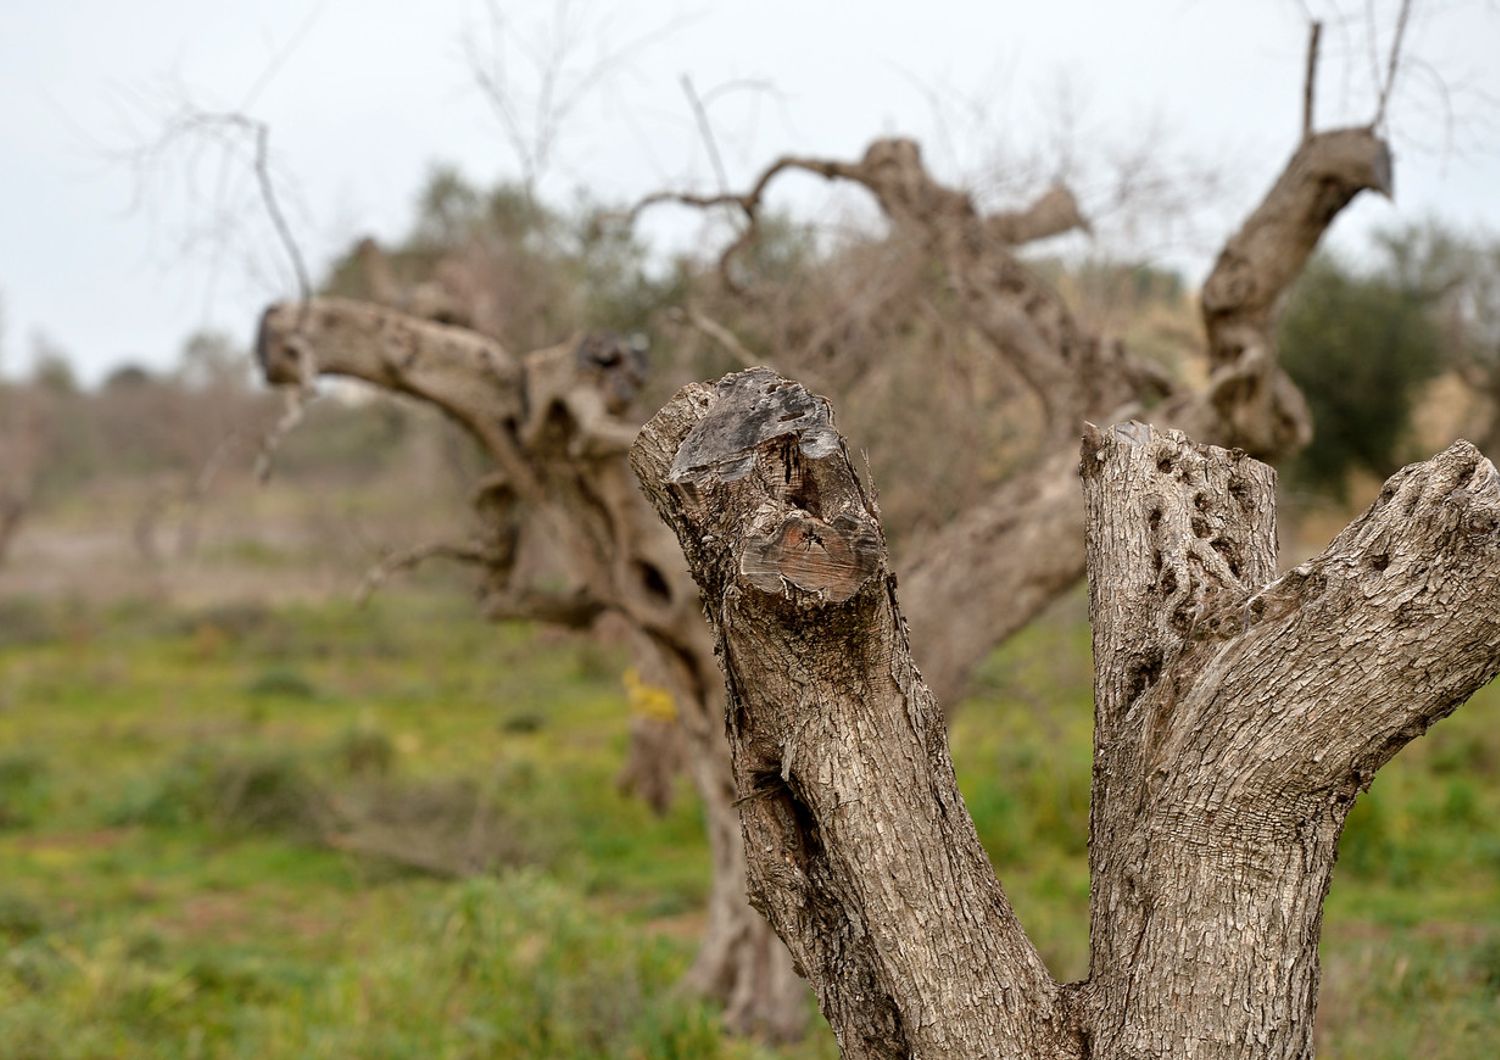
x: 549, y: 422
x: 1239, y: 715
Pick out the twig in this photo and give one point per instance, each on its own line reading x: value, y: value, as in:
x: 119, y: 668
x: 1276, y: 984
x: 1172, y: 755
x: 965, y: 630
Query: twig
x: 295, y: 401
x: 1393, y: 63
x: 696, y: 318
x: 700, y: 115
x: 278, y: 218
x: 748, y: 203
x: 408, y: 559
x: 1310, y: 79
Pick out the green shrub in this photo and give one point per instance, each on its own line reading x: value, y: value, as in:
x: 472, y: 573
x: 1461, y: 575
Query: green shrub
x: 364, y: 750
x: 281, y: 682
x: 255, y: 791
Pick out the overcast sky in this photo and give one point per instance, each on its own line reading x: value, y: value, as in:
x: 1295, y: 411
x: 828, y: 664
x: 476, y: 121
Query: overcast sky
x: 364, y: 97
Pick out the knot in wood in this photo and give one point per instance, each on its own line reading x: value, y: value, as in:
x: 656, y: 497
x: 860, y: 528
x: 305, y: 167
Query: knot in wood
x: 831, y: 560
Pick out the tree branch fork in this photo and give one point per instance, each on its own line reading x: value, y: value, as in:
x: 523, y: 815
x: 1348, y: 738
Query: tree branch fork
x: 1238, y: 715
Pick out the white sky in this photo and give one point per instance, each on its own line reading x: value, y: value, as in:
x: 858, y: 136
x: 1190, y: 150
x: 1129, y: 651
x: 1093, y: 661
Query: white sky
x: 363, y: 97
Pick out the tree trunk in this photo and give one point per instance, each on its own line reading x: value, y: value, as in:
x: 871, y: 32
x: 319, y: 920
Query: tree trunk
x: 1238, y: 717
x: 12, y: 513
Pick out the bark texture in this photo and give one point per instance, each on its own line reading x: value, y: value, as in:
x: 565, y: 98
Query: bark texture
x: 550, y: 422
x: 1238, y: 717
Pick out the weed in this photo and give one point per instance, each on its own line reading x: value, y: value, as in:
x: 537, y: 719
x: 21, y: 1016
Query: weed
x: 257, y: 791
x: 23, y: 788
x: 281, y: 682
x: 364, y: 750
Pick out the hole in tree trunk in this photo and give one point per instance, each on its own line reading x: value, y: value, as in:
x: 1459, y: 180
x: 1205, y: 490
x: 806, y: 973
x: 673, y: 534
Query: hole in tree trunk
x: 652, y: 581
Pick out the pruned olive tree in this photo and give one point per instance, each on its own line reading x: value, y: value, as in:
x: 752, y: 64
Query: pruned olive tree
x: 1237, y: 717
x: 555, y: 426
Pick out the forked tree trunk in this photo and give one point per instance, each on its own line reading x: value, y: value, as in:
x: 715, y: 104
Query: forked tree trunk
x: 1238, y: 717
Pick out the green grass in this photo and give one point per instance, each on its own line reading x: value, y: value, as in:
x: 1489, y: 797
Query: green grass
x: 169, y: 785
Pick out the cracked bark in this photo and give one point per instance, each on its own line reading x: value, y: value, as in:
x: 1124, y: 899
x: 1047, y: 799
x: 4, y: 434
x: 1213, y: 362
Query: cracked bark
x: 1238, y: 717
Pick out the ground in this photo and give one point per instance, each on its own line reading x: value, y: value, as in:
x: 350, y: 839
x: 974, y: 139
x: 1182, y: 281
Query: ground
x: 254, y: 831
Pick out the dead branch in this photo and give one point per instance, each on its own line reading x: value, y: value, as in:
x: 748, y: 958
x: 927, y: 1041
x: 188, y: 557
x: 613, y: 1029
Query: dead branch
x: 730, y: 342
x: 1310, y: 77
x: 409, y: 559
x: 1393, y: 62
x: 706, y: 130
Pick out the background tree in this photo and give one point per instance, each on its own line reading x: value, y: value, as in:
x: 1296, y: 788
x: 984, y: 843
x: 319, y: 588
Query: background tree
x: 1360, y: 347
x: 1458, y: 277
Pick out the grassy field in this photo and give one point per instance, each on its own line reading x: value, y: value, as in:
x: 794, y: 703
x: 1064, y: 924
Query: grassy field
x: 393, y: 832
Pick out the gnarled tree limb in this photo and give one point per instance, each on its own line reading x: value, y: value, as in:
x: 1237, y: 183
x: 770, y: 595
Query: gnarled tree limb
x: 551, y: 422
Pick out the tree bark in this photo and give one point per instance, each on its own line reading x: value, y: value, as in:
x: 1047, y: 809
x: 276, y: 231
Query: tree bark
x: 549, y: 422
x: 1238, y: 717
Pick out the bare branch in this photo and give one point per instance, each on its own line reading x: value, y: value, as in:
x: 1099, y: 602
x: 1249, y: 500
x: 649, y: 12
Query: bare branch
x: 1310, y: 78
x: 748, y: 203
x: 297, y: 392
x: 728, y: 340
x: 1055, y: 213
x: 409, y: 559
x: 1392, y: 63
x: 273, y: 208
x: 1255, y: 406
x: 533, y: 122
x: 700, y: 115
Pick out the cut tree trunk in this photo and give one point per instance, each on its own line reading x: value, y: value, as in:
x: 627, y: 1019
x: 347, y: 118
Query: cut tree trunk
x: 1238, y: 716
